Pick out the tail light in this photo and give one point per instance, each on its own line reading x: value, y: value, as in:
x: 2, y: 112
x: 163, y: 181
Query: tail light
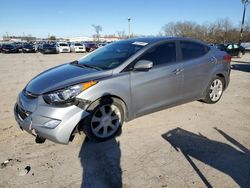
x: 227, y: 58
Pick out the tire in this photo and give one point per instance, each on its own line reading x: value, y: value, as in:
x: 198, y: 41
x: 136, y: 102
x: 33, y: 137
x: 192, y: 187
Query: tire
x: 240, y: 54
x: 214, y: 90
x: 99, y: 126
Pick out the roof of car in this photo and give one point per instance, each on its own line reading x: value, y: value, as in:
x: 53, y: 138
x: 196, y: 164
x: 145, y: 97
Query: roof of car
x: 157, y: 39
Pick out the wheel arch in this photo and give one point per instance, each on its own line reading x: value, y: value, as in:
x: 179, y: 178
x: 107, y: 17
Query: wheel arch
x: 223, y: 77
x: 219, y: 74
x: 109, y: 96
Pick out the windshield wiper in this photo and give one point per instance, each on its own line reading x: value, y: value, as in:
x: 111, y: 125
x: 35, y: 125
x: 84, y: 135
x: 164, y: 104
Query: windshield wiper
x: 90, y: 66
x: 85, y: 65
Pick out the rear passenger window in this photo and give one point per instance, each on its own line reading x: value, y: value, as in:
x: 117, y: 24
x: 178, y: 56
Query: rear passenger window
x: 236, y: 46
x: 191, y: 50
x: 162, y: 54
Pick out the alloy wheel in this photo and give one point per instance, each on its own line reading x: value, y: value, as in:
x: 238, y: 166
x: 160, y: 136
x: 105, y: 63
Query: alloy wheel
x: 106, y: 121
x: 216, y: 89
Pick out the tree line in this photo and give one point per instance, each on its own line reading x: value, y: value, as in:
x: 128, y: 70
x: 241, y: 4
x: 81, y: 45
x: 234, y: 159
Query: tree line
x: 220, y: 31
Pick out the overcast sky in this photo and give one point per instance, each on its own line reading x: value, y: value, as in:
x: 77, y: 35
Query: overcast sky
x: 74, y: 18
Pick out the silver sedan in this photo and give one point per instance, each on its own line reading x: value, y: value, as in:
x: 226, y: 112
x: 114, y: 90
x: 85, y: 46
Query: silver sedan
x: 119, y: 82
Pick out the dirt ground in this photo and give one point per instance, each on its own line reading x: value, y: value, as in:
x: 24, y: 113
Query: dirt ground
x: 192, y: 145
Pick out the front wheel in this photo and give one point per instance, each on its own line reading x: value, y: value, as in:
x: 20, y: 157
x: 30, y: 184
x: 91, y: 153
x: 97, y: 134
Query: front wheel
x: 105, y: 120
x: 214, y: 90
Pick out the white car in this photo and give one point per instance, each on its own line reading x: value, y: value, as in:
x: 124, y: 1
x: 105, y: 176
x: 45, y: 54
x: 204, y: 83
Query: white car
x: 77, y: 47
x: 62, y: 47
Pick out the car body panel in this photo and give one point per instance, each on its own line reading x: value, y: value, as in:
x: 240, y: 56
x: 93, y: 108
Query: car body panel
x: 158, y: 87
x: 196, y: 74
x: 62, y: 76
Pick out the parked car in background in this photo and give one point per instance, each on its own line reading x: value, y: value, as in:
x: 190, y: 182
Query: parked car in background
x: 62, y: 47
x: 120, y: 82
x: 90, y: 46
x: 232, y: 49
x: 47, y: 48
x: 19, y: 45
x: 246, y: 45
x: 101, y: 44
x: 1, y: 46
x: 28, y: 48
x: 77, y: 47
x: 9, y: 48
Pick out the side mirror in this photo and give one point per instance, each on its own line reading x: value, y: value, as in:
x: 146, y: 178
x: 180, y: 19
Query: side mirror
x: 143, y: 65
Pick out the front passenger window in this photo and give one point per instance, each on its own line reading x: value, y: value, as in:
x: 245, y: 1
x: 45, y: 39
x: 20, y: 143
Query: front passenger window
x: 162, y: 54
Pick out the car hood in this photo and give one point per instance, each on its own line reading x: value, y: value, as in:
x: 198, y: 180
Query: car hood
x: 63, y: 76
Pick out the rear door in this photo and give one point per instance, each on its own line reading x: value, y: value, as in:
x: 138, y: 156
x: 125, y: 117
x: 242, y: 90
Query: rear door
x: 230, y: 50
x: 197, y: 65
x: 160, y: 86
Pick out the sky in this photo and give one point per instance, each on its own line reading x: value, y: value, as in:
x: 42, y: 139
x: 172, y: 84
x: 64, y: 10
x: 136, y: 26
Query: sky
x: 72, y: 18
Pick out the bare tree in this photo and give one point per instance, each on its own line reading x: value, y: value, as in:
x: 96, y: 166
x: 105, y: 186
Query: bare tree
x: 97, y: 29
x: 221, y: 31
x: 121, y: 34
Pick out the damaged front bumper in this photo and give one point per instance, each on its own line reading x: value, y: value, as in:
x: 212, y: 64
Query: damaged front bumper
x: 50, y: 122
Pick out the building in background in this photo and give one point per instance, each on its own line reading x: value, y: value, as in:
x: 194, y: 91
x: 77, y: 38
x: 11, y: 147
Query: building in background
x: 84, y: 38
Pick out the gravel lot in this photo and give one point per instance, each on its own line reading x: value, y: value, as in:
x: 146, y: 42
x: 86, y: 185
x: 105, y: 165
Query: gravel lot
x: 192, y: 145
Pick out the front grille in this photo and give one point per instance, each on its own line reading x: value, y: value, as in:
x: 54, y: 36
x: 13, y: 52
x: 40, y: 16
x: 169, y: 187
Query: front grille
x: 22, y: 113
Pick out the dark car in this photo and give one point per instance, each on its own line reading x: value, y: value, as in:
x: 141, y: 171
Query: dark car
x: 232, y: 49
x: 1, y: 46
x: 19, y: 46
x: 9, y: 48
x: 90, y: 46
x: 28, y: 48
x: 47, y: 49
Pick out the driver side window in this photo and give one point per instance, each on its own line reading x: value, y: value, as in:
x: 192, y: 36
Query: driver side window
x: 161, y: 54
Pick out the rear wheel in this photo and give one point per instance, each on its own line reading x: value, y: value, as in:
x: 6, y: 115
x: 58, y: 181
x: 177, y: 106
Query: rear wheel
x: 105, y: 120
x: 214, y: 90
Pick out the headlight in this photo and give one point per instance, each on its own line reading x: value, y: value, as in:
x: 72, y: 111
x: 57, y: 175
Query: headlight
x: 67, y: 95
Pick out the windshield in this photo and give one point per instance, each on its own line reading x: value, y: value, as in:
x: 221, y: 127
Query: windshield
x: 78, y: 44
x: 8, y: 46
x: 63, y: 44
x: 48, y: 45
x: 111, y: 56
x: 27, y: 46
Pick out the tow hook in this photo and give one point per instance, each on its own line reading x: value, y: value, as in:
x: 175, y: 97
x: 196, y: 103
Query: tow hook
x: 40, y: 140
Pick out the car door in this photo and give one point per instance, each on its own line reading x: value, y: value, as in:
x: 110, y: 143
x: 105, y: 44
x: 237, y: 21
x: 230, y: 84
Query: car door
x: 160, y: 86
x: 230, y: 50
x: 197, y: 66
x: 236, y: 49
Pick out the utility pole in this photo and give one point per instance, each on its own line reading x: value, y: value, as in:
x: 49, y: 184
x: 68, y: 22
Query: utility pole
x: 129, y: 27
x: 245, y: 3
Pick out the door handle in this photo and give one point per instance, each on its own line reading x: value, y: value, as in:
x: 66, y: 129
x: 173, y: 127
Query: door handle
x: 177, y: 71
